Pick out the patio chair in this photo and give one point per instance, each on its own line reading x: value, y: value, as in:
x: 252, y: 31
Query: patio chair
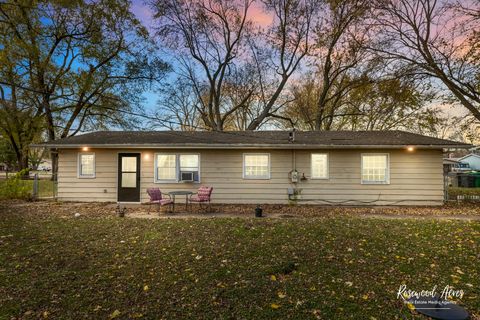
x: 203, y: 195
x: 156, y: 197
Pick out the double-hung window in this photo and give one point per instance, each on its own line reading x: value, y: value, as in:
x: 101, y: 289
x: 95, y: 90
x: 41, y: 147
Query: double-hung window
x: 319, y: 166
x: 166, y: 167
x: 375, y: 168
x: 86, y: 165
x: 256, y: 166
x: 177, y: 167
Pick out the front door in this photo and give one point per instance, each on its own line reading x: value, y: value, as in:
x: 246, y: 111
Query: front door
x: 129, y: 177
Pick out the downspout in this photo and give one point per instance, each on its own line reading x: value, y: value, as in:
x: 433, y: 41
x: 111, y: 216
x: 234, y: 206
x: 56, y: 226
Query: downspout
x: 294, y: 160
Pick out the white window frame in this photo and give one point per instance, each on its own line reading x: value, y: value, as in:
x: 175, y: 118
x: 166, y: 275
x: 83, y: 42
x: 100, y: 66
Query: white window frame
x: 387, y: 174
x: 79, y: 165
x: 177, y: 167
x: 268, y: 177
x: 311, y: 166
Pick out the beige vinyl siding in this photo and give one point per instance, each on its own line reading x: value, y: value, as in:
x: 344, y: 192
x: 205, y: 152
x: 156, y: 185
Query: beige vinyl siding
x: 72, y: 188
x: 415, y: 177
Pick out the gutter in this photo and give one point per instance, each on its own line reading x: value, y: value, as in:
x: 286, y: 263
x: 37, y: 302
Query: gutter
x: 245, y: 146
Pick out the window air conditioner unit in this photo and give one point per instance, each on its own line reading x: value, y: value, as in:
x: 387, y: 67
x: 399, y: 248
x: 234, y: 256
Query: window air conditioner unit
x: 186, y: 176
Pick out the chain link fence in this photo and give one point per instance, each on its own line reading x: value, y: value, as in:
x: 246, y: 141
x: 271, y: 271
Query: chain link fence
x: 44, y: 186
x: 462, y: 187
x: 27, y: 185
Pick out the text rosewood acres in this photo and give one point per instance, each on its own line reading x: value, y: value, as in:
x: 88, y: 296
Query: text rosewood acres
x: 447, y: 292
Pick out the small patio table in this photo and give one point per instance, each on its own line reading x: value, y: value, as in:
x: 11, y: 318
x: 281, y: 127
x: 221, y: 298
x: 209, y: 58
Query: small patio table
x: 181, y: 193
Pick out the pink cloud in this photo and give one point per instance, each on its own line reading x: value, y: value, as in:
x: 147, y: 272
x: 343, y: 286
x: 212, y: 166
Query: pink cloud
x: 256, y: 14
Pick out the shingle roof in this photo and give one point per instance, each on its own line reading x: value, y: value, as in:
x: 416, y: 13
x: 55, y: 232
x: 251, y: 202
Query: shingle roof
x: 252, y: 139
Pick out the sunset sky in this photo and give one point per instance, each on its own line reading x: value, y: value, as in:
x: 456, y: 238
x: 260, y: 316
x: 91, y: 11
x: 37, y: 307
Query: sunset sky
x: 143, y: 12
x: 145, y: 15
x: 261, y: 18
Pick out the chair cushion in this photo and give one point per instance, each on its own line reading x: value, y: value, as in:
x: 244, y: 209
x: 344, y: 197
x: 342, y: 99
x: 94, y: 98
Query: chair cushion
x: 197, y: 199
x: 155, y: 194
x: 161, y: 202
x: 204, y: 193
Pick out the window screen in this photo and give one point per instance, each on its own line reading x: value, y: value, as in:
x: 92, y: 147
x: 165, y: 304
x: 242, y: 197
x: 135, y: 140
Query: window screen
x: 86, y: 165
x: 319, y: 166
x: 256, y: 166
x: 375, y: 168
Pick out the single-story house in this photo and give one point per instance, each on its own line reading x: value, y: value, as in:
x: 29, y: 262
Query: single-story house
x: 473, y: 161
x: 455, y: 165
x: 255, y: 167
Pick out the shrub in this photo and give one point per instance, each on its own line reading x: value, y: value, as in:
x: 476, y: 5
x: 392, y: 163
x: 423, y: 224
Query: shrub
x: 464, y: 193
x: 16, y: 188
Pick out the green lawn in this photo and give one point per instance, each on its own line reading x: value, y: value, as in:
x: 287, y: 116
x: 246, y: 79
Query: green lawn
x: 321, y: 268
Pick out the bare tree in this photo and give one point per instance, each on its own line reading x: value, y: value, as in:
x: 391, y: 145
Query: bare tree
x: 178, y: 107
x: 214, y: 42
x: 207, y: 36
x: 239, y: 86
x: 340, y: 64
x: 455, y: 127
x: 433, y: 39
x: 340, y: 52
x: 289, y: 38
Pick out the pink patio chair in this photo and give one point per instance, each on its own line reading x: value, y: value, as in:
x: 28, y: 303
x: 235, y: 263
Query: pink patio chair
x: 156, y: 197
x: 203, y: 195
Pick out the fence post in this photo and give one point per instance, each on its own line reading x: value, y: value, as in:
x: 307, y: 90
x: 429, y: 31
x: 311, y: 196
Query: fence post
x: 35, y: 186
x: 445, y: 187
x: 55, y: 185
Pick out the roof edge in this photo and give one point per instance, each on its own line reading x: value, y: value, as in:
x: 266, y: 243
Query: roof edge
x: 469, y: 155
x: 247, y: 146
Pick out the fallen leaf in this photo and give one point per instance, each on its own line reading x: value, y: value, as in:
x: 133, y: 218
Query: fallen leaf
x: 115, y: 314
x: 137, y: 315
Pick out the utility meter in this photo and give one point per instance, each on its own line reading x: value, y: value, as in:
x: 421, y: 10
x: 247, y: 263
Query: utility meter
x: 294, y: 176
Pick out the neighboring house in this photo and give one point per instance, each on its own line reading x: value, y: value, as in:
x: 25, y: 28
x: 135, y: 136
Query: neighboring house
x: 455, y: 165
x: 45, y: 165
x: 333, y: 167
x: 473, y: 160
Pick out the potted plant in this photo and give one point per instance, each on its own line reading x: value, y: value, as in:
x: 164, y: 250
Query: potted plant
x: 258, y: 211
x: 121, y: 211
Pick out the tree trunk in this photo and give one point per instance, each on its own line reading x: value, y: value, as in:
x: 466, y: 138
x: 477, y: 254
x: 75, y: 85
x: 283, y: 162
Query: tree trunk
x: 54, y: 158
x: 22, y: 162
